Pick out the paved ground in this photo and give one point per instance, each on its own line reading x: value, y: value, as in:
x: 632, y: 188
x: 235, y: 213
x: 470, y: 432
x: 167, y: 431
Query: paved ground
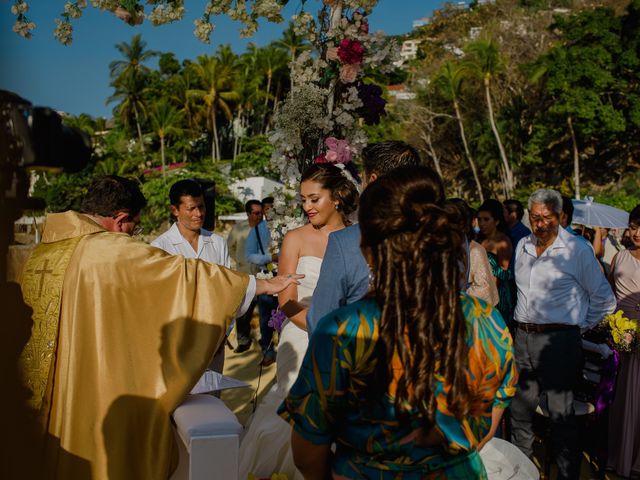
x: 244, y: 366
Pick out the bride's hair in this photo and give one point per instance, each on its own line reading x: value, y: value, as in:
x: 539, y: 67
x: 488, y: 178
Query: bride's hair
x: 343, y: 190
x: 414, y: 252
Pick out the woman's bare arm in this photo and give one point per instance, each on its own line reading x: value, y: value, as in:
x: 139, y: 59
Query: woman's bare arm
x: 312, y: 460
x: 504, y: 251
x: 288, y: 298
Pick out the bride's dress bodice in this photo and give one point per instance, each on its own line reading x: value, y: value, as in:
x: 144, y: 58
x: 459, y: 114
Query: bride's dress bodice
x: 293, y: 340
x: 310, y: 267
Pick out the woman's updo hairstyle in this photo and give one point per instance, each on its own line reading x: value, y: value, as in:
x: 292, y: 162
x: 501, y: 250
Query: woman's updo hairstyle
x: 402, y: 205
x: 414, y: 248
x: 332, y: 178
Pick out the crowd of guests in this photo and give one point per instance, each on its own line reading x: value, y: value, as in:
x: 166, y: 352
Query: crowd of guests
x: 416, y: 334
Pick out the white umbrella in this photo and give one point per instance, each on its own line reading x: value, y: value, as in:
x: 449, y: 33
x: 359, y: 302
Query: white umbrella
x: 588, y: 212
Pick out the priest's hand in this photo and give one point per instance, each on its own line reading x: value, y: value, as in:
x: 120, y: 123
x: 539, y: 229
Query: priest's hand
x: 276, y: 284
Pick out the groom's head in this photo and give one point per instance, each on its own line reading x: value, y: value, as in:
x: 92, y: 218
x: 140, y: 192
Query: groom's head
x: 381, y: 158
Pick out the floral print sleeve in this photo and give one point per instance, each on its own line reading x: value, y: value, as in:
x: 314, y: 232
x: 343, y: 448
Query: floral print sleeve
x: 339, y: 346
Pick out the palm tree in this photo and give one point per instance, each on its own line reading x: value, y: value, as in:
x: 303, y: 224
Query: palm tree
x: 214, y: 93
x: 292, y: 43
x: 165, y: 120
x: 127, y: 77
x: 179, y: 86
x: 135, y: 55
x: 485, y: 63
x: 449, y: 82
x: 129, y: 91
x: 271, y: 61
x: 247, y: 87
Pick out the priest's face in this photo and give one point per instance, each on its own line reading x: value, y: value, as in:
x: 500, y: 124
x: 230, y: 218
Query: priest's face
x: 190, y: 213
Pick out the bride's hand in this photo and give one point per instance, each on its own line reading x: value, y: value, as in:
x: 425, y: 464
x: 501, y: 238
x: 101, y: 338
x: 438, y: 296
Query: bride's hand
x: 277, y: 284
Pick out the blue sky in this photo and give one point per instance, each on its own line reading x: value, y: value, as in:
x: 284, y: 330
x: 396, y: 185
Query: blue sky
x: 75, y: 79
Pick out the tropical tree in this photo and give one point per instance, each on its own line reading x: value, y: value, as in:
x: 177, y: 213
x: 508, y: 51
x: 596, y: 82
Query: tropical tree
x: 249, y: 94
x: 128, y: 79
x: 135, y: 55
x: 271, y: 62
x: 449, y: 83
x: 586, y: 94
x: 129, y: 90
x: 293, y: 44
x: 484, y: 62
x: 215, y: 92
x: 165, y: 120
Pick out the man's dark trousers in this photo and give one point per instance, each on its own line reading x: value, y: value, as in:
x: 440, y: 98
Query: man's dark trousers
x: 243, y: 326
x: 549, y: 364
x: 266, y: 304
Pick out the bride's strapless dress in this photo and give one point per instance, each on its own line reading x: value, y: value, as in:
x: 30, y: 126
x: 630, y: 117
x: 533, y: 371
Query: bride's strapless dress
x: 266, y: 446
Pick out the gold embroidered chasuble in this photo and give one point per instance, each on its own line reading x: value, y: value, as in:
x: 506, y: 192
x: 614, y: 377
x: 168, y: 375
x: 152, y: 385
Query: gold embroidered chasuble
x: 122, y: 331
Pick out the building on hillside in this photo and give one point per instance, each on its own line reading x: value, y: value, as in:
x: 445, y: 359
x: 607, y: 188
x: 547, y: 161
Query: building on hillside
x: 400, y: 92
x: 421, y: 22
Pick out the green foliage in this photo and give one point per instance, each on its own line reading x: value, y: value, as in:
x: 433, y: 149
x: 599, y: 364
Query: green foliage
x: 62, y: 191
x: 389, y: 128
x: 254, y: 160
x: 624, y: 195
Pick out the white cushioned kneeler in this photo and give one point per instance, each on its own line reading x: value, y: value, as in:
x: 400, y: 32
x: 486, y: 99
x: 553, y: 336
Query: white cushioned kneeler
x: 210, y: 433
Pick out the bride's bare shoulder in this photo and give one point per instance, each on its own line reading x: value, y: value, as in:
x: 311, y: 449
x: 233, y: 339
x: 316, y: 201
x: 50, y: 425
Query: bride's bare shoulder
x: 300, y: 232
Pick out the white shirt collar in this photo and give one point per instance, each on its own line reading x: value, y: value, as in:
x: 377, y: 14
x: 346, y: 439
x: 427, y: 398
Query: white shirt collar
x: 176, y: 237
x: 559, y: 242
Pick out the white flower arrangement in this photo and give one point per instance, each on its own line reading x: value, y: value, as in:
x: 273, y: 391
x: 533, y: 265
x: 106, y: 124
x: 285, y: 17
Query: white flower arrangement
x: 321, y: 117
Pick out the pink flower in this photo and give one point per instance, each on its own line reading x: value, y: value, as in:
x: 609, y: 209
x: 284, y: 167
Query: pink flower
x: 349, y: 73
x: 332, y: 53
x: 338, y: 150
x: 627, y: 338
x: 350, y: 52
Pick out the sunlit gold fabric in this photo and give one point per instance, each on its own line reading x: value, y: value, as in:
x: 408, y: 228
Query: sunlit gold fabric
x: 137, y: 328
x: 42, y: 290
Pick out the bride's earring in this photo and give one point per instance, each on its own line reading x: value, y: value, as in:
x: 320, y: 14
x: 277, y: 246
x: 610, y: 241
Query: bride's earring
x: 337, y: 206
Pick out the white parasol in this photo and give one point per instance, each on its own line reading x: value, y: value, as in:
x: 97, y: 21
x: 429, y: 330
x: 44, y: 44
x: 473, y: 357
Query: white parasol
x: 588, y: 212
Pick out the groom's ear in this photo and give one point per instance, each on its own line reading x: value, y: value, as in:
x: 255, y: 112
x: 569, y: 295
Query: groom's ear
x: 369, y: 178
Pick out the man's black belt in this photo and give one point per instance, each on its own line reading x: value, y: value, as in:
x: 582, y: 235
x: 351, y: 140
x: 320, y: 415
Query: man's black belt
x: 544, y: 327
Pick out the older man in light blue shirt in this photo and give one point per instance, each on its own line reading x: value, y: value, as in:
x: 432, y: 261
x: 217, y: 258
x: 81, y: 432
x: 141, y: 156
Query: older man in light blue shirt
x: 561, y: 292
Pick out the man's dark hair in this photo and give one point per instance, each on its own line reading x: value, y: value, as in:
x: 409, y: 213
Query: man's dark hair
x: 567, y: 209
x: 184, y: 188
x: 381, y: 158
x: 110, y: 194
x: 513, y: 205
x: 250, y: 203
x: 267, y: 200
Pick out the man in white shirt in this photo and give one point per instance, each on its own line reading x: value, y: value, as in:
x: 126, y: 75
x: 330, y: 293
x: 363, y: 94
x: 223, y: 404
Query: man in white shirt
x: 561, y: 292
x: 186, y: 236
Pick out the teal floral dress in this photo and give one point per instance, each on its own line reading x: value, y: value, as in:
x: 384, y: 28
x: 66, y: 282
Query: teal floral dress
x: 327, y: 402
x: 506, y: 288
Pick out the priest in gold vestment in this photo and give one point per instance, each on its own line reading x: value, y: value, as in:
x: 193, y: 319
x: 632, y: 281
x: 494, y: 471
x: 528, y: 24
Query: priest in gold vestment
x: 122, y: 331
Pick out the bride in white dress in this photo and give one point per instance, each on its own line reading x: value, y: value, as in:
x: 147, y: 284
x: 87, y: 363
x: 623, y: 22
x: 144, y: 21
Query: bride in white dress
x: 328, y: 197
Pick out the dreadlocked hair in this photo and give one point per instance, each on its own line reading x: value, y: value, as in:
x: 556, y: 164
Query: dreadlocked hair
x: 416, y: 253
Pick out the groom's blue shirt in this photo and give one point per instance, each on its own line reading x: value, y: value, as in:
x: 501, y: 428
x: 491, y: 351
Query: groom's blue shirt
x: 344, y: 275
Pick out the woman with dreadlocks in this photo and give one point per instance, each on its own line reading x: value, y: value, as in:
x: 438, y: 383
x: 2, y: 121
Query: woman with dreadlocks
x: 411, y: 381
